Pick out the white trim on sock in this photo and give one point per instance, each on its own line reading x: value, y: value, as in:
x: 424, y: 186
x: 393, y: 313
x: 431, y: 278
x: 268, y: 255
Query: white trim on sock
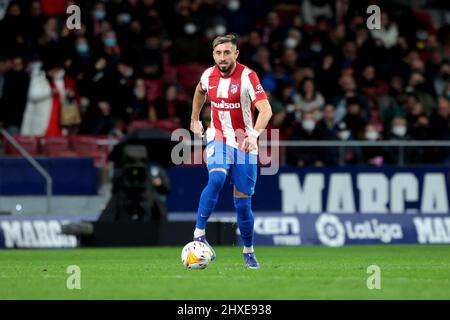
x: 199, y: 232
x: 248, y: 249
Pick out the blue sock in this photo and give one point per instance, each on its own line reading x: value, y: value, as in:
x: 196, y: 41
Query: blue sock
x: 245, y: 219
x: 209, y: 197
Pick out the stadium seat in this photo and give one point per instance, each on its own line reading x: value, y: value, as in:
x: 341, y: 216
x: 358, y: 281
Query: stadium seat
x: 87, y: 146
x: 139, y: 124
x: 154, y: 89
x: 29, y: 143
x: 56, y: 147
x: 166, y: 124
x: 189, y: 75
x: 170, y: 74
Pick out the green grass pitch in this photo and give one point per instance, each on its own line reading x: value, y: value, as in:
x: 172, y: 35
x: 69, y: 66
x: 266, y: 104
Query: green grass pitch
x: 407, y: 272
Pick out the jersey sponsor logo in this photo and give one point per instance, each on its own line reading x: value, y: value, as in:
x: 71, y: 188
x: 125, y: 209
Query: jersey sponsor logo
x: 225, y: 105
x: 234, y: 87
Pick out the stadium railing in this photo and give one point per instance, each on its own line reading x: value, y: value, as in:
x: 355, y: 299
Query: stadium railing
x: 34, y: 163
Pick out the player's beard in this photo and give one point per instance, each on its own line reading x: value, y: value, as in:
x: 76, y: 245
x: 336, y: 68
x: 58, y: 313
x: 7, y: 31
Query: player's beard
x: 227, y: 68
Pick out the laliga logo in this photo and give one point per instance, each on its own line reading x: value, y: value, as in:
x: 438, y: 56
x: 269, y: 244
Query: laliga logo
x: 330, y: 230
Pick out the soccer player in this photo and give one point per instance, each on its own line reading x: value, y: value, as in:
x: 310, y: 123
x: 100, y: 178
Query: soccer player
x: 234, y: 91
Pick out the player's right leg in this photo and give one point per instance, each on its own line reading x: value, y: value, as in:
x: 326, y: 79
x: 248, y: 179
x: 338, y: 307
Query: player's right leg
x: 217, y: 173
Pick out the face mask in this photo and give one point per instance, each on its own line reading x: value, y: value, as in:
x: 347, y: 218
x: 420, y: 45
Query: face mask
x: 99, y: 14
x: 399, y: 131
x: 129, y: 73
x: 82, y: 48
x: 422, y: 35
x: 110, y: 42
x: 316, y: 48
x: 344, y: 135
x: 140, y: 94
x: 308, y: 125
x: 124, y: 18
x: 220, y: 30
x: 371, y: 135
x: 234, y: 5
x: 290, y: 42
x: 35, y: 66
x: 190, y: 28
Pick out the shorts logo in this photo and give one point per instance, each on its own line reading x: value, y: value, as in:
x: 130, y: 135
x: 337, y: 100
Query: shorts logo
x: 234, y: 87
x: 210, y: 151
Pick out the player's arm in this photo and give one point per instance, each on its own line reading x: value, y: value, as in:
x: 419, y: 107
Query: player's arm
x: 197, y: 104
x: 265, y: 113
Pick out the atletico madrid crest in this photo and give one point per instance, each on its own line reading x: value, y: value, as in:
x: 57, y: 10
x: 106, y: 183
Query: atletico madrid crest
x: 234, y: 87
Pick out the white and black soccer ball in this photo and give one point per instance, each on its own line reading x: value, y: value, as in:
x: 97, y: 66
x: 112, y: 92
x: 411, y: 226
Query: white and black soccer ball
x: 196, y: 255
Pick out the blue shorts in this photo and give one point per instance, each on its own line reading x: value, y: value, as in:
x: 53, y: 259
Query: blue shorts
x: 242, y: 165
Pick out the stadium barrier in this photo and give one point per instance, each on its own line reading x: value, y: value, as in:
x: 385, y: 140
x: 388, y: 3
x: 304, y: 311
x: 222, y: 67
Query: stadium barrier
x: 49, y: 231
x: 333, y: 206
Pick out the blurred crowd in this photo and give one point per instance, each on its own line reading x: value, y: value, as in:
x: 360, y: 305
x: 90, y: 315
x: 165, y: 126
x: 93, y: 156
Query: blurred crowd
x: 327, y: 75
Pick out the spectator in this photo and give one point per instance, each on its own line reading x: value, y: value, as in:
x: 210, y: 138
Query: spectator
x: 442, y: 79
x: 373, y: 155
x: 327, y: 125
x: 305, y: 156
x: 354, y: 120
x: 313, y: 9
x: 138, y: 108
x: 399, y: 132
x: 5, y: 65
x: 348, y: 155
x: 171, y: 106
x: 328, y: 131
x: 151, y: 58
x: 15, y: 91
x: 309, y: 99
x: 99, y: 120
x: 400, y: 70
x: 39, y: 102
x: 439, y: 128
x: 388, y: 35
x: 348, y: 89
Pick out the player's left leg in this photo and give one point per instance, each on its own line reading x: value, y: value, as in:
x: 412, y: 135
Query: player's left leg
x: 246, y: 221
x: 244, y: 179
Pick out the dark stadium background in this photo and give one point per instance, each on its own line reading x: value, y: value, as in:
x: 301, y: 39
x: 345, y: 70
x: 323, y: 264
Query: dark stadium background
x: 86, y: 117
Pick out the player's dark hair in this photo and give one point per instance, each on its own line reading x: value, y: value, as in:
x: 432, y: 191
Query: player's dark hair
x: 224, y: 39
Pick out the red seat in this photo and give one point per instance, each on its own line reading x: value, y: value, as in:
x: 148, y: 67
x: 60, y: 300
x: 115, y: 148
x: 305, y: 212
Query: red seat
x: 189, y: 76
x: 154, y: 89
x: 139, y: 124
x: 170, y: 74
x: 84, y: 145
x: 166, y: 124
x: 29, y: 143
x: 87, y: 146
x: 56, y: 147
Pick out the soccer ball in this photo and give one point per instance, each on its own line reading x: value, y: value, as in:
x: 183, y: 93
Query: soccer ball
x: 196, y: 255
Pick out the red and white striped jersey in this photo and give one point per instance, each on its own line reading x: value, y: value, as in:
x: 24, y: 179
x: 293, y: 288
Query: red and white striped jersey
x: 233, y: 101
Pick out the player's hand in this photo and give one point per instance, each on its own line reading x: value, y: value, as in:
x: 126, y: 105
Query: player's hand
x: 197, y: 127
x: 250, y: 143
